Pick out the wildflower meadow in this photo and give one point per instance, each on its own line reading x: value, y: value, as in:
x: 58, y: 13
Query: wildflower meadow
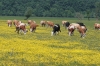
x: 41, y: 49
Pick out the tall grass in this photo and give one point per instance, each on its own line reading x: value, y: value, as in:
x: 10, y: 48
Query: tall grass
x: 42, y: 49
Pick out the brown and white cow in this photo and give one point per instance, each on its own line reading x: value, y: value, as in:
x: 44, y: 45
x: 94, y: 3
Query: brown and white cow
x: 71, y: 29
x: 31, y: 21
x: 21, y: 28
x: 43, y: 23
x: 97, y: 26
x: 49, y: 24
x: 15, y: 22
x: 32, y: 26
x: 9, y: 22
x: 82, y: 30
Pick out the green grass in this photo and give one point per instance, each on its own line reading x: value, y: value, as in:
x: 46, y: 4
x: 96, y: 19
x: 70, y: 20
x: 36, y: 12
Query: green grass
x: 42, y: 49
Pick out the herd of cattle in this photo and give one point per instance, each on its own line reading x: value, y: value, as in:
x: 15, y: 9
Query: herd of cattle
x: 80, y: 27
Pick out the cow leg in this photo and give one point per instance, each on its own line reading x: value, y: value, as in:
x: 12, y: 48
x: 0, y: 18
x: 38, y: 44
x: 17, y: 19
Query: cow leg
x: 52, y: 33
x: 69, y: 33
x: 31, y: 30
x: 81, y: 35
x: 24, y: 31
x: 18, y: 31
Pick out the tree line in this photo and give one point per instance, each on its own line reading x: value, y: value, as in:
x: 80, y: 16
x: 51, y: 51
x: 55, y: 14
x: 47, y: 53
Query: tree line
x: 49, y: 8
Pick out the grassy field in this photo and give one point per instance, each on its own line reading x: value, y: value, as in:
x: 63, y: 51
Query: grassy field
x: 42, y: 49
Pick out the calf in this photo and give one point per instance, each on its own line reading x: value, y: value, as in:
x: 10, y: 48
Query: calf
x: 9, y: 22
x: 56, y: 29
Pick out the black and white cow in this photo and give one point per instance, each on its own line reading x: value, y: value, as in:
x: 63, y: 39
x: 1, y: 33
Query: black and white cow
x: 67, y: 25
x: 56, y: 29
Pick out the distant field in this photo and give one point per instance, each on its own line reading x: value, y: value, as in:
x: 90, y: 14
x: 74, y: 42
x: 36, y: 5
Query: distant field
x: 42, y: 49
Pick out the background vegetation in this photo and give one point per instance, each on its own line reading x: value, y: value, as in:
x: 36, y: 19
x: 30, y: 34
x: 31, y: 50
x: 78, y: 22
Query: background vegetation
x: 49, y: 8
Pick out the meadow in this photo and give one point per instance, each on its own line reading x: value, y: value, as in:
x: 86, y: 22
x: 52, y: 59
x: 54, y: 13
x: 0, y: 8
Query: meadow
x: 42, y: 49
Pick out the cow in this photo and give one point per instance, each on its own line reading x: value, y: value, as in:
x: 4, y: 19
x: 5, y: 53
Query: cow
x: 31, y: 21
x: 56, y: 29
x: 67, y: 25
x: 71, y: 29
x: 16, y: 22
x: 82, y: 30
x: 43, y: 23
x: 9, y: 22
x: 97, y: 26
x: 21, y: 28
x: 49, y: 24
x: 32, y: 26
x: 63, y: 23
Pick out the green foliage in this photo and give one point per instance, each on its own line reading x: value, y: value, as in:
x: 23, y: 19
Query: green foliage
x: 79, y: 16
x: 98, y: 10
x: 28, y: 12
x: 47, y: 8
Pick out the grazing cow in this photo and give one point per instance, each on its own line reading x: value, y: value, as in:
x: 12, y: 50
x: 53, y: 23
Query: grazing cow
x: 97, y: 26
x: 9, y: 22
x: 21, y: 28
x: 82, y: 30
x: 67, y: 25
x: 50, y: 24
x: 71, y: 29
x: 56, y: 29
x: 33, y: 27
x: 43, y: 23
x: 64, y: 23
x: 30, y: 21
x: 16, y: 22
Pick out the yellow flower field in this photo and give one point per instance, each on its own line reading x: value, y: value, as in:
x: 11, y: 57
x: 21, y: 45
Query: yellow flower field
x: 42, y: 49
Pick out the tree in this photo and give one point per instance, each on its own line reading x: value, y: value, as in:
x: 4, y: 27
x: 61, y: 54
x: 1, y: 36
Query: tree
x: 28, y: 12
x: 79, y: 16
x: 88, y: 14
